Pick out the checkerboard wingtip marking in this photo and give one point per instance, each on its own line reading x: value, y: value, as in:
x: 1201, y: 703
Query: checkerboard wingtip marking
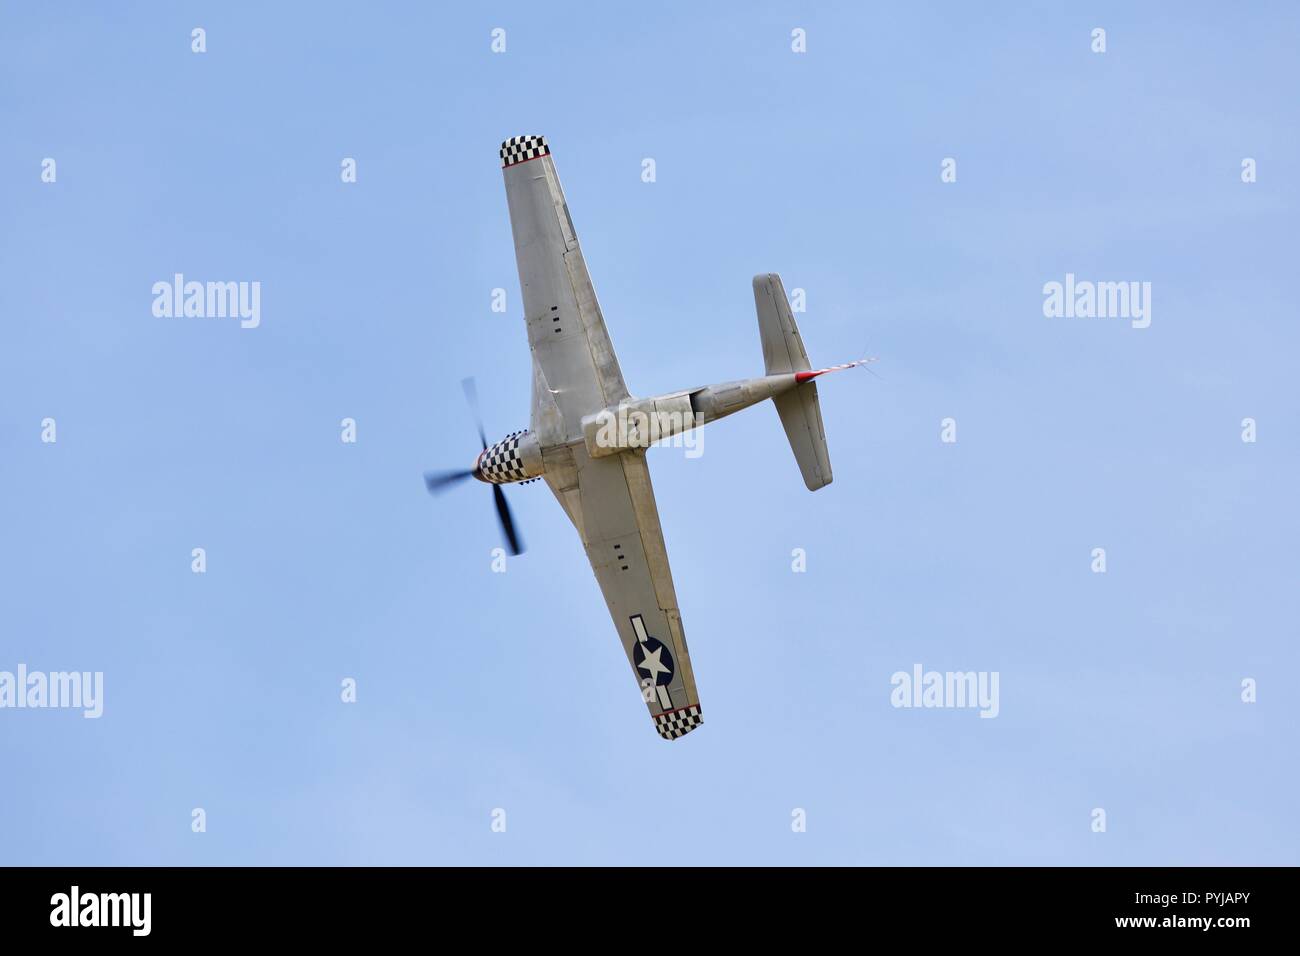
x: 678, y: 723
x: 520, y: 149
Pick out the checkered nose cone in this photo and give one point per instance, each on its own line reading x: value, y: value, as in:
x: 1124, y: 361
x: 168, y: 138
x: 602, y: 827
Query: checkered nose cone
x: 678, y: 723
x: 519, y: 149
x: 501, y: 463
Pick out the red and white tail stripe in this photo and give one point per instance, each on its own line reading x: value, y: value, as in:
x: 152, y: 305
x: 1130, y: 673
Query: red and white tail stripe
x: 813, y: 373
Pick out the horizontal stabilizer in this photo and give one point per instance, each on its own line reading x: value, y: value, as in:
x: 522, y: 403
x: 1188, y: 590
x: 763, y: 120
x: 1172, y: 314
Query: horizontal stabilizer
x: 783, y: 353
x: 783, y: 349
x: 801, y: 416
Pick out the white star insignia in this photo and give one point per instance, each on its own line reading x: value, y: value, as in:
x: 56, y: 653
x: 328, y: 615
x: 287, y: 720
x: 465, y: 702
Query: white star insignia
x: 652, y: 664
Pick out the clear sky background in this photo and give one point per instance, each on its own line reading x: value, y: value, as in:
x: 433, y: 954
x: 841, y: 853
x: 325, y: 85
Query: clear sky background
x: 477, y: 690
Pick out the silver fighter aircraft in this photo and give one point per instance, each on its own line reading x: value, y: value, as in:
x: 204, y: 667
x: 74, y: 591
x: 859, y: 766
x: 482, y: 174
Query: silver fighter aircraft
x: 587, y: 434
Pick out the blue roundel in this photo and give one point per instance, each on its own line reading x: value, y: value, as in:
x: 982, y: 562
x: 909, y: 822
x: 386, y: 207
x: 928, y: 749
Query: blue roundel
x: 653, y: 660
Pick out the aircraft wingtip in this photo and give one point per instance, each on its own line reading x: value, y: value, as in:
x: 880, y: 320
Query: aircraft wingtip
x: 520, y: 149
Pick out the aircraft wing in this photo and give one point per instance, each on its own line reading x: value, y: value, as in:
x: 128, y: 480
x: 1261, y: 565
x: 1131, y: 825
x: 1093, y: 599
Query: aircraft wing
x: 612, y: 503
x: 575, y: 370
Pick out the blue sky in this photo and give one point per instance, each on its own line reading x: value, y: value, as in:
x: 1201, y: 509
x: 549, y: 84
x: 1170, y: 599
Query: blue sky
x: 476, y: 690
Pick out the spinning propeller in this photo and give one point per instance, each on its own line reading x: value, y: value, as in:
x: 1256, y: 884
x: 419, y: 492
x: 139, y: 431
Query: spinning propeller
x: 439, y: 481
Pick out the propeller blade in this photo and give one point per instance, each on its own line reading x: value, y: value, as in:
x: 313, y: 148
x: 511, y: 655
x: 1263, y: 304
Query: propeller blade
x: 471, y: 396
x: 507, y: 522
x: 438, y: 481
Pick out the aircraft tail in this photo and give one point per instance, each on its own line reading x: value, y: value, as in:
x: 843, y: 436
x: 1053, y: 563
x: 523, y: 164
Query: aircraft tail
x: 784, y: 352
x: 801, y: 415
x: 783, y: 349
